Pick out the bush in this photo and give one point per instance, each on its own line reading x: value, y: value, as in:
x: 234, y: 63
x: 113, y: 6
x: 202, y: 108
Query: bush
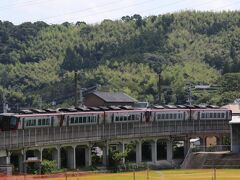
x: 48, y: 166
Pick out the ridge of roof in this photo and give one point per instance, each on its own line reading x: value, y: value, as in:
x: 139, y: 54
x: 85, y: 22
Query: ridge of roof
x: 114, y: 96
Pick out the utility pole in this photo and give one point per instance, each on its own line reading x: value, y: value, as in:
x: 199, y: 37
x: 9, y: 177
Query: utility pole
x: 78, y: 91
x: 4, y: 101
x: 159, y: 88
x: 40, y: 102
x: 190, y: 95
x: 81, y: 96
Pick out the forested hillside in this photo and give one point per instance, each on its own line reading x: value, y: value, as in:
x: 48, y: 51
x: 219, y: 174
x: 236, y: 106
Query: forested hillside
x: 37, y: 60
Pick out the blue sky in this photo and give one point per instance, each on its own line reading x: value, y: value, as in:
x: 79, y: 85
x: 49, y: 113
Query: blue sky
x: 94, y: 11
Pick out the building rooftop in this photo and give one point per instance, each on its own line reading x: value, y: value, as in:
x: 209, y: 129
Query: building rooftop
x: 235, y: 107
x: 114, y: 97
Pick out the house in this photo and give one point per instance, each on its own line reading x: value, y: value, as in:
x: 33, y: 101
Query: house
x: 108, y: 99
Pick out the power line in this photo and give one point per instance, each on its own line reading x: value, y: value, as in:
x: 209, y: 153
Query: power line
x: 125, y: 7
x: 80, y: 11
x: 22, y: 4
x: 237, y: 2
x: 167, y: 5
x: 120, y: 8
x: 209, y: 2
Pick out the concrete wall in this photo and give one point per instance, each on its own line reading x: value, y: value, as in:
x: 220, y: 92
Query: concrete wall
x: 235, y: 138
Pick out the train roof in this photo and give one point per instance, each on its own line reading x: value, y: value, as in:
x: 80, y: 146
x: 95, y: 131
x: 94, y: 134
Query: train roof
x: 112, y: 108
x: 200, y: 106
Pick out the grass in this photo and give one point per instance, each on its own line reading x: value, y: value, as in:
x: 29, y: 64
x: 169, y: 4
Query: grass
x: 196, y: 174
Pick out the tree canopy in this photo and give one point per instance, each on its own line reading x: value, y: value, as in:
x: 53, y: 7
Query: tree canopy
x: 37, y: 59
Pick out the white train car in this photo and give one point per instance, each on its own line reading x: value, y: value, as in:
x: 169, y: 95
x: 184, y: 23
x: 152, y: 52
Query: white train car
x: 211, y: 114
x: 83, y: 118
x: 126, y: 115
x: 169, y: 113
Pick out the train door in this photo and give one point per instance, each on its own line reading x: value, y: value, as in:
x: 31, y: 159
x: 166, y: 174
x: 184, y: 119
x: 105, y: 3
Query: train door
x: 147, y: 116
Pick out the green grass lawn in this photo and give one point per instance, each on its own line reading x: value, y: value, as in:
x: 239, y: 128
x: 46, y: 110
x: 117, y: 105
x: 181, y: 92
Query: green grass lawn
x: 196, y: 174
x: 199, y: 174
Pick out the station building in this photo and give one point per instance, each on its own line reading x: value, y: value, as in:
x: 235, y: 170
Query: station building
x: 235, y: 127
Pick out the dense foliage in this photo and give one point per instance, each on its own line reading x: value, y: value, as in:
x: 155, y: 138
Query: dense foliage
x: 37, y: 60
x: 48, y: 167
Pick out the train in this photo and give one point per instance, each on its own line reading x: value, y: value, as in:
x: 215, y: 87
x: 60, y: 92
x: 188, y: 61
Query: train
x: 45, y: 118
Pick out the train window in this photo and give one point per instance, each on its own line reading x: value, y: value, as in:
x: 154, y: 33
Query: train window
x: 162, y: 116
x: 80, y: 119
x: 26, y: 122
x: 211, y: 115
x: 47, y: 121
x: 170, y: 116
x: 72, y: 119
x: 175, y: 116
x: 222, y: 115
x: 132, y: 117
x: 117, y: 118
x: 166, y: 116
x: 84, y: 119
x: 125, y: 118
x: 121, y: 118
x: 215, y: 115
x: 39, y: 122
x: 218, y: 115
x: 202, y: 115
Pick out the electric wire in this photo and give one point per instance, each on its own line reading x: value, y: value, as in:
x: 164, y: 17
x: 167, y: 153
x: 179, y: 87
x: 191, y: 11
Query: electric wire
x: 23, y: 4
x: 125, y: 7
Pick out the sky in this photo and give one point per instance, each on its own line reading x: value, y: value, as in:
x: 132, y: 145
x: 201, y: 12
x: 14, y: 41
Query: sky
x: 95, y: 11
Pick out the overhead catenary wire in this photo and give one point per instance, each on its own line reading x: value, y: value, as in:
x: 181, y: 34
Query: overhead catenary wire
x: 22, y: 4
x: 124, y: 7
x: 102, y: 12
x: 137, y: 4
x: 80, y: 11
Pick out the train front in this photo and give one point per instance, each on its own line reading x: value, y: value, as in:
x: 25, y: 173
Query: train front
x: 8, y: 121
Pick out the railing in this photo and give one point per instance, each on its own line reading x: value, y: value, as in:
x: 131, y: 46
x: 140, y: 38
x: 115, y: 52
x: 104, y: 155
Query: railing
x: 102, y: 132
x: 216, y: 148
x: 185, y: 161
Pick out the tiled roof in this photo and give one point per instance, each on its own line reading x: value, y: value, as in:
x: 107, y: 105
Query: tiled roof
x: 114, y: 97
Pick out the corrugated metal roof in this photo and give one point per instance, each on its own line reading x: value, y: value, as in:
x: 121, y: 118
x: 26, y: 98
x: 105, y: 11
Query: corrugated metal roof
x: 114, y: 97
